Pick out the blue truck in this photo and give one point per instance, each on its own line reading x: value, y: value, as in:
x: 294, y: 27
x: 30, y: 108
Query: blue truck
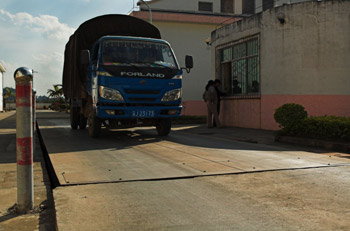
x: 119, y: 73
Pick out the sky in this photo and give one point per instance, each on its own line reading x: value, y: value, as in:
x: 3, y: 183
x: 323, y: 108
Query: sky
x: 33, y: 34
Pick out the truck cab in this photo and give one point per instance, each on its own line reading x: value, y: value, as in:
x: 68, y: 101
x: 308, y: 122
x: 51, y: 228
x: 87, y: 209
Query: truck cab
x: 132, y: 82
x: 119, y: 73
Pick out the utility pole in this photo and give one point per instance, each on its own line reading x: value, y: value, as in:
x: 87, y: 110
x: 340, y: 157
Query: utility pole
x: 149, y: 9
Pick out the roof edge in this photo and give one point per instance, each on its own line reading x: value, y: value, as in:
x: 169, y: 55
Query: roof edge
x: 185, y: 18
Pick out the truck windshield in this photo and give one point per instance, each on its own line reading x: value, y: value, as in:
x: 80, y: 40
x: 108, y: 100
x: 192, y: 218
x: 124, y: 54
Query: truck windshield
x: 140, y: 53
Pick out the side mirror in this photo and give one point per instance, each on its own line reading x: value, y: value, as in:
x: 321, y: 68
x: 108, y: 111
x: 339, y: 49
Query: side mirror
x: 189, y: 61
x: 85, y: 57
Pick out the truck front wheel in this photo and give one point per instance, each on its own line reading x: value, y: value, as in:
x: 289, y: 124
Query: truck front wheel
x: 94, y: 125
x: 163, y: 127
x: 74, y: 117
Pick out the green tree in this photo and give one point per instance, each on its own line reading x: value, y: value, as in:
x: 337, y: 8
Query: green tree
x: 56, y: 92
x: 7, y: 94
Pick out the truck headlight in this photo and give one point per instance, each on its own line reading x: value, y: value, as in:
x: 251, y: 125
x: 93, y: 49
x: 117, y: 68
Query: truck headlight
x: 172, y: 95
x: 111, y: 94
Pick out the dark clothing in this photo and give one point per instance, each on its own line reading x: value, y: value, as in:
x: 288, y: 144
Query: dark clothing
x: 219, y: 94
x: 210, y: 97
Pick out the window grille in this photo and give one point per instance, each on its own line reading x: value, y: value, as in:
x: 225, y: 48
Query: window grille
x: 227, y: 6
x: 205, y: 6
x: 239, y: 67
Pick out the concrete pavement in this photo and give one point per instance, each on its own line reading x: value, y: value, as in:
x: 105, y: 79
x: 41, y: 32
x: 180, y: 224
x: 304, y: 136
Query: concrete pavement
x: 43, y: 215
x: 113, y: 181
x: 189, y: 151
x: 300, y: 200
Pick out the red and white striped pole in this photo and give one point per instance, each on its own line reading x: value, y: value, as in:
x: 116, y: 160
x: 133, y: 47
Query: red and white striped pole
x: 24, y: 139
x: 34, y: 118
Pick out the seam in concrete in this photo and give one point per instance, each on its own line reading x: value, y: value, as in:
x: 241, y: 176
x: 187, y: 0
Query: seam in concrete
x: 198, y: 176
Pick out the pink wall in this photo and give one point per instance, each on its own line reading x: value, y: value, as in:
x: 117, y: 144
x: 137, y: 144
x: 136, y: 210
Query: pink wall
x: 240, y: 112
x: 258, y: 113
x: 195, y: 107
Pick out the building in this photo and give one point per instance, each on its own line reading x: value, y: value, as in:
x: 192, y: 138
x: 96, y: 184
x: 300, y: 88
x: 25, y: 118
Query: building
x: 187, y: 25
x: 297, y: 53
x: 256, y: 6
x: 2, y: 71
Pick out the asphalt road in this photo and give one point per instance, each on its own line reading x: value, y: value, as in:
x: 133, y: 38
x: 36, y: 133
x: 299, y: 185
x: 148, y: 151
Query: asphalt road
x: 133, y: 180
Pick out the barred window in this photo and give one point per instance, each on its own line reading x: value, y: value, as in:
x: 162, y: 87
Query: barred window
x: 205, y: 6
x: 239, y: 67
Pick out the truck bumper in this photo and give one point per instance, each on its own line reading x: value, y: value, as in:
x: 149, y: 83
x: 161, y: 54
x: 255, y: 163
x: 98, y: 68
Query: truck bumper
x: 115, y: 112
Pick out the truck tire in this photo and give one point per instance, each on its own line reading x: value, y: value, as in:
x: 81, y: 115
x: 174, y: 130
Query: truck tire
x: 94, y: 125
x: 74, y: 117
x: 163, y: 127
x: 82, y: 121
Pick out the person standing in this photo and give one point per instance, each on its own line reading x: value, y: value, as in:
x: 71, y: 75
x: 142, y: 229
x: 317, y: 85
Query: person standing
x: 211, y: 98
x: 219, y: 93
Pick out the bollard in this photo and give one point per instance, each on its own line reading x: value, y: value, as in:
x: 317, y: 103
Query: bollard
x: 24, y: 139
x: 34, y: 118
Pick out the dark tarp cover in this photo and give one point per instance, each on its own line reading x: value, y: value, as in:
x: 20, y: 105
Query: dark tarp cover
x: 84, y: 38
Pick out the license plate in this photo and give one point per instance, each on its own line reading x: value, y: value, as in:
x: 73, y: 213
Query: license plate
x: 142, y: 113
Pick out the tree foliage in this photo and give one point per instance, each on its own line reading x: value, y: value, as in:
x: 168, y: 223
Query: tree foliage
x: 290, y: 114
x: 56, y: 92
x: 294, y: 122
x: 9, y: 94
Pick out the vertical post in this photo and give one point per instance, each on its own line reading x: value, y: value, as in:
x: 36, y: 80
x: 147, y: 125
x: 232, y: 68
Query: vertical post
x: 24, y: 139
x: 34, y: 117
x: 149, y: 9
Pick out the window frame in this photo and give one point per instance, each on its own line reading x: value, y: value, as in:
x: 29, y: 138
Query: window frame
x: 206, y: 5
x: 251, y: 76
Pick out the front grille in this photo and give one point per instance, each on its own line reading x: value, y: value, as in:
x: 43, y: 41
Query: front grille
x: 147, y: 92
x: 135, y: 105
x: 143, y: 99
